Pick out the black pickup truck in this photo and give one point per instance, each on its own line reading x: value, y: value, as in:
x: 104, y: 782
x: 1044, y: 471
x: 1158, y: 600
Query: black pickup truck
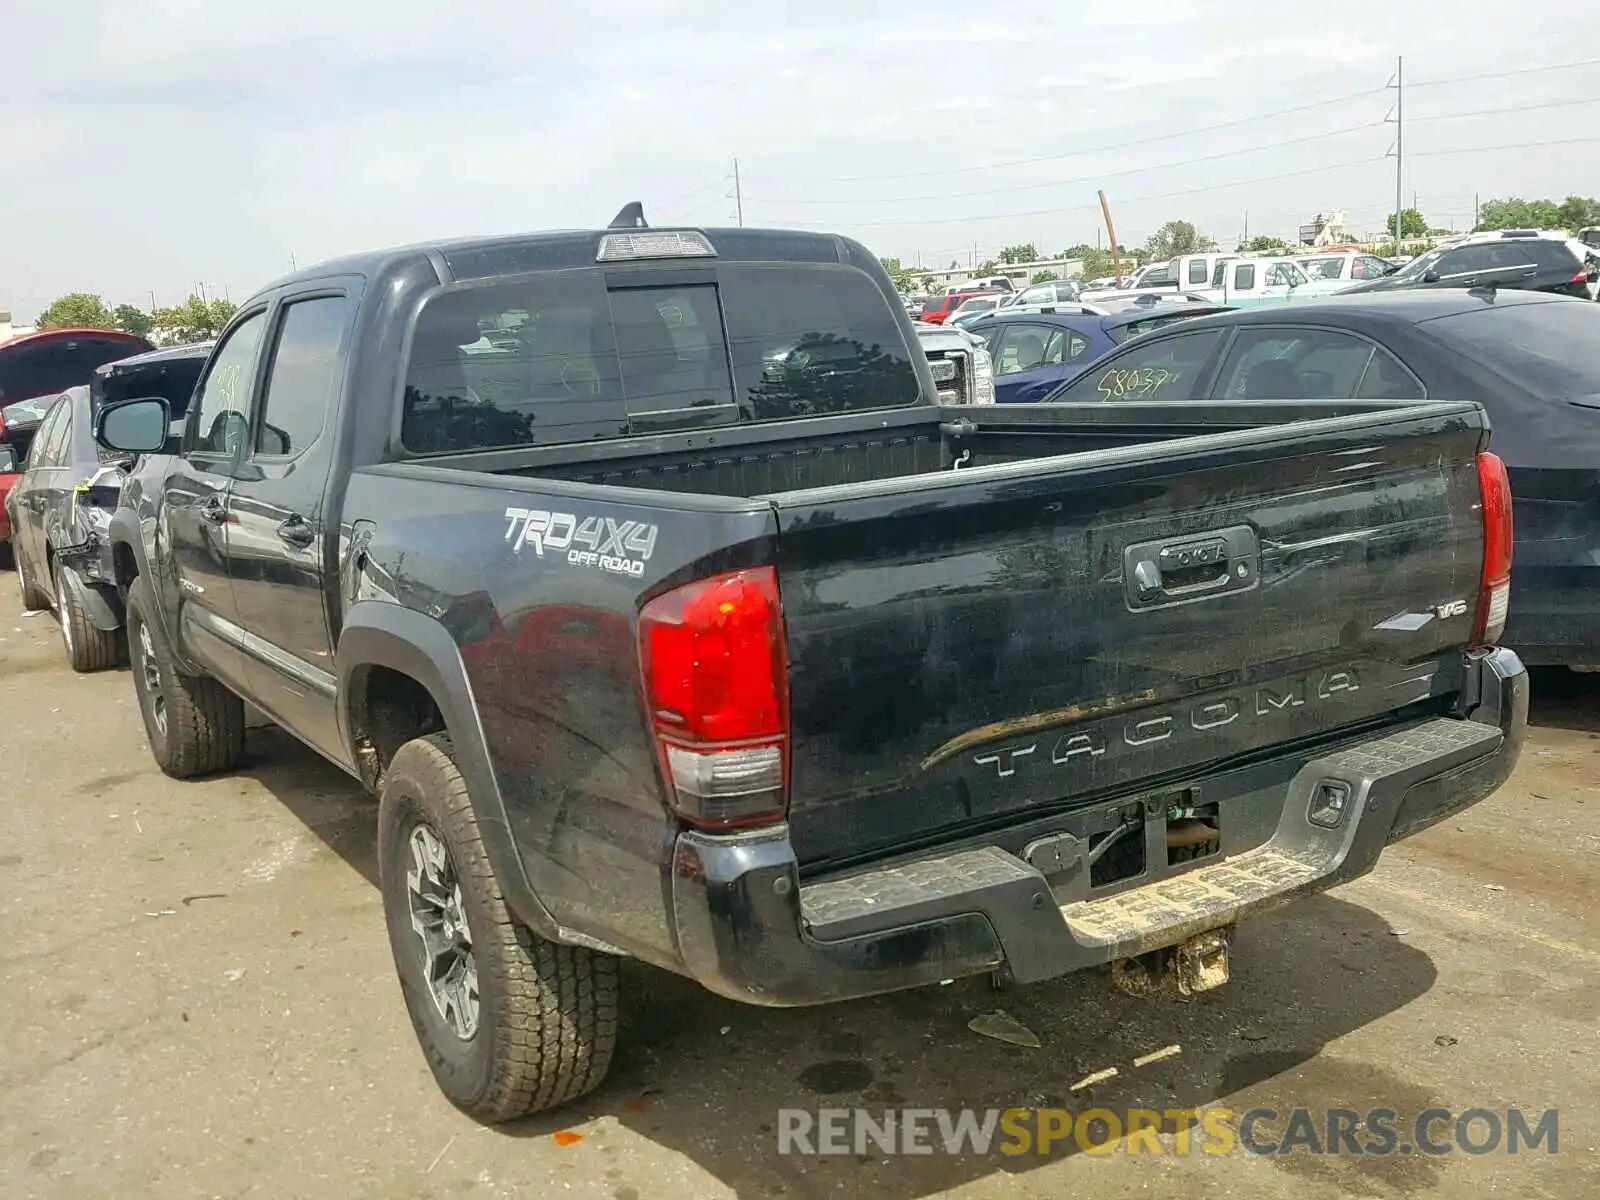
x: 641, y: 576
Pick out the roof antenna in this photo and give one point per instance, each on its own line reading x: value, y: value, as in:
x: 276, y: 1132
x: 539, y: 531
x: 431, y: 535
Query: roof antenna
x: 631, y: 217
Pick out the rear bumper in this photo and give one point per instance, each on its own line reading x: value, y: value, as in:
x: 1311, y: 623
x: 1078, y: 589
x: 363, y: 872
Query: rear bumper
x: 749, y: 930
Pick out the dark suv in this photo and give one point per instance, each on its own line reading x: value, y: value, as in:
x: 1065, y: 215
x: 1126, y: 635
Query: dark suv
x: 1525, y: 259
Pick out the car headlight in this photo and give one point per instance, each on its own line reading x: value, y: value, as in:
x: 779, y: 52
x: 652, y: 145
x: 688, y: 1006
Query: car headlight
x: 982, y: 376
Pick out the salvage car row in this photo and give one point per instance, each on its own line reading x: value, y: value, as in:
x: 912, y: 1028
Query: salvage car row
x: 672, y: 610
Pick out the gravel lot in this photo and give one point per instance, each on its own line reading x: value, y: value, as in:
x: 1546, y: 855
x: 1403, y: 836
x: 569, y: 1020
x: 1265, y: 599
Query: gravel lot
x: 196, y: 999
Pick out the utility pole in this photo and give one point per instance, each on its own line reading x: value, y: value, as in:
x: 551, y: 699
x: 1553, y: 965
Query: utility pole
x: 1245, y: 240
x: 738, y: 195
x: 1475, y: 211
x: 152, y: 299
x: 1398, y: 85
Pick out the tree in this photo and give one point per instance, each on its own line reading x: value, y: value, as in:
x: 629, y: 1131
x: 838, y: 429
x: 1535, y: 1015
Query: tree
x: 77, y: 310
x: 1044, y: 277
x: 195, y: 320
x: 1516, y: 213
x: 989, y: 267
x: 898, y: 275
x: 1264, y: 244
x: 1172, y: 239
x: 1578, y: 212
x: 132, y: 319
x: 1412, y: 224
x: 1096, y: 262
x: 1019, y: 254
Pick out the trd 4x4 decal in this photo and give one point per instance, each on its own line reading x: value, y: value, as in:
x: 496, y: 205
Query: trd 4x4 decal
x: 621, y: 547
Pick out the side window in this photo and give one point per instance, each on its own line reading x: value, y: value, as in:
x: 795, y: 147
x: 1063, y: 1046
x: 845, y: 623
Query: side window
x: 1367, y: 268
x: 1167, y: 368
x: 47, y: 442
x: 305, y: 365
x: 221, y: 404
x: 1386, y: 379
x: 60, y: 447
x: 1295, y: 364
x: 1064, y: 346
x: 1022, y: 348
x: 1244, y: 277
x: 1198, y: 272
x: 1465, y: 261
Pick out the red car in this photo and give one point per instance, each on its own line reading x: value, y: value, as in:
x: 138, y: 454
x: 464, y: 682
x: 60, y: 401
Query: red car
x: 40, y: 366
x: 939, y: 308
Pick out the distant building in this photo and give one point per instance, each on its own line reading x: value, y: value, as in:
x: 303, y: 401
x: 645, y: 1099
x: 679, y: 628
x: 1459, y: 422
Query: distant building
x: 8, y: 330
x: 1325, y: 229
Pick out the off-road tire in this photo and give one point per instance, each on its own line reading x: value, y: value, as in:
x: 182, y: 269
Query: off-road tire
x: 33, y: 600
x: 547, y: 1021
x: 204, y: 728
x: 88, y: 647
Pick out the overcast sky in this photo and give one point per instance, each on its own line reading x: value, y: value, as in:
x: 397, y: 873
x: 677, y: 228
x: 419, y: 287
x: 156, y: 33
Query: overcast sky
x: 151, y: 146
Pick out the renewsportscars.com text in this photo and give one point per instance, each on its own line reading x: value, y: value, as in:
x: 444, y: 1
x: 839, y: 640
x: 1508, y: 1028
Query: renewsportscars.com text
x: 1377, y: 1132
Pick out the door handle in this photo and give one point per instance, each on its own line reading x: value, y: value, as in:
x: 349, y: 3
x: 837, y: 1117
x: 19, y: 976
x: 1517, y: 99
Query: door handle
x: 214, y: 510
x: 1159, y: 574
x: 294, y: 531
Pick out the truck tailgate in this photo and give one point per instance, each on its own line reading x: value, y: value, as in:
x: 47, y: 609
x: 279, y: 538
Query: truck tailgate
x: 980, y: 646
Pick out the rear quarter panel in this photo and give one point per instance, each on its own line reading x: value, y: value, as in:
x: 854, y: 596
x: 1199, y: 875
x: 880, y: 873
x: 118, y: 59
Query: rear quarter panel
x: 547, y: 638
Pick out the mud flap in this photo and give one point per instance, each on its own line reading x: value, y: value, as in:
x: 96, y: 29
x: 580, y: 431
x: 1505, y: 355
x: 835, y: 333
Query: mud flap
x: 1196, y: 965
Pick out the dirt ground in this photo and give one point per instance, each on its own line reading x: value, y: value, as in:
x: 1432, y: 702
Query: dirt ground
x: 197, y: 999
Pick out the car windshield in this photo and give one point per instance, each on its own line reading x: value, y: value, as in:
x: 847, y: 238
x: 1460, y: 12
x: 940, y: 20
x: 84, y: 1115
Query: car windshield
x: 1420, y: 265
x: 27, y: 412
x: 1547, y: 348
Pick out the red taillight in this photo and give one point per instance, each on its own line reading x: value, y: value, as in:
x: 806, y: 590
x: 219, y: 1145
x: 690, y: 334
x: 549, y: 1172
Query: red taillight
x: 1494, y: 596
x: 716, y: 681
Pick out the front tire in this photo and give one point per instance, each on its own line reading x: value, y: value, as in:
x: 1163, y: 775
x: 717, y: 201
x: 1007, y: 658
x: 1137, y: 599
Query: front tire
x: 89, y: 648
x: 195, y: 725
x: 510, y: 1023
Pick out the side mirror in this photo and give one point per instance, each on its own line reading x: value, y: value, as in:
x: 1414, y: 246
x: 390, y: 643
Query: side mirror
x: 273, y: 440
x: 134, y: 426
x: 1430, y: 277
x: 8, y: 460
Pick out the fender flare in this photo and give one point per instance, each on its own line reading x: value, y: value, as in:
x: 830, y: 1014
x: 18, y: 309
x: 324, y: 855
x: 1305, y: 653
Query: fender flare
x: 377, y: 633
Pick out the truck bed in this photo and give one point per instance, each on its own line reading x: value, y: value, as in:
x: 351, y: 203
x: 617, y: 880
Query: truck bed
x: 966, y: 649
x: 761, y: 459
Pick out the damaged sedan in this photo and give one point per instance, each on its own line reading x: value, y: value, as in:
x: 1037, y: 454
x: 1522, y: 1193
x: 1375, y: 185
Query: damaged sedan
x: 60, y: 511
x: 61, y: 508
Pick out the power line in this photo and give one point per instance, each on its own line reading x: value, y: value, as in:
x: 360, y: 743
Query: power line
x: 1199, y: 191
x: 1140, y: 170
x: 1489, y: 112
x: 1060, y: 208
x: 1118, y: 145
x: 1571, y: 66
x: 1507, y: 146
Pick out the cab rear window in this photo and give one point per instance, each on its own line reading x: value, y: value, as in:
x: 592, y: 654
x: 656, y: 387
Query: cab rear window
x: 568, y: 357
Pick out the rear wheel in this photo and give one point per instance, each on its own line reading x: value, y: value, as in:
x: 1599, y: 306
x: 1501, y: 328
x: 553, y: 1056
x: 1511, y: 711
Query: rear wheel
x: 33, y: 600
x: 195, y: 725
x: 510, y: 1023
x: 89, y: 648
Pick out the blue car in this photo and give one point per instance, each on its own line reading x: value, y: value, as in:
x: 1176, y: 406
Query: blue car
x: 1035, y: 353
